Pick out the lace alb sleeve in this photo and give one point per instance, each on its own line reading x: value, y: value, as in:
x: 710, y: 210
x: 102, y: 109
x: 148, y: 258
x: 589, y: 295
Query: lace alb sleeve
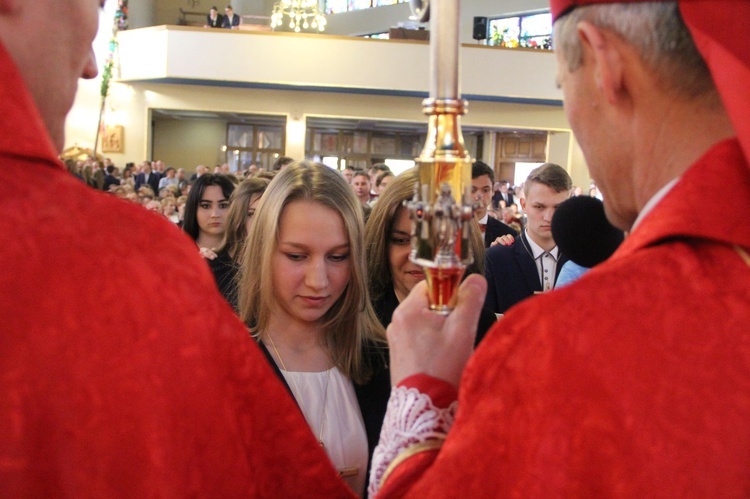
x: 412, y: 424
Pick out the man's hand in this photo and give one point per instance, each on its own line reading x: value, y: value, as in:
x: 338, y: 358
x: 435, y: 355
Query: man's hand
x: 505, y: 240
x: 422, y: 341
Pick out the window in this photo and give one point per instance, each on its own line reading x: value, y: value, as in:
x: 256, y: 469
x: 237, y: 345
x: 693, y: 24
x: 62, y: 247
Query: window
x: 360, y: 149
x: 338, y: 6
x: 531, y: 31
x: 259, y: 144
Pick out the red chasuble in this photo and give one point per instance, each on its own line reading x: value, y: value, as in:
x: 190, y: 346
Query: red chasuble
x: 632, y: 382
x: 635, y: 380
x: 123, y: 373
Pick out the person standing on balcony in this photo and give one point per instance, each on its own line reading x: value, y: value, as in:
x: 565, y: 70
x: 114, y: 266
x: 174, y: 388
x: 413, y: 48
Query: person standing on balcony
x: 231, y: 20
x: 214, y: 19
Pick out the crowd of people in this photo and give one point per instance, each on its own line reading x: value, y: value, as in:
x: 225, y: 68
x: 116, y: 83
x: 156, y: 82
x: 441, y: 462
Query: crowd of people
x: 165, y: 189
x: 626, y: 383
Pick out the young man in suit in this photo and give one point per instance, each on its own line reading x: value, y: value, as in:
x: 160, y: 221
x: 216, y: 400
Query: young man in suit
x: 531, y: 264
x: 231, y: 20
x: 502, y: 194
x: 148, y: 177
x: 482, y: 178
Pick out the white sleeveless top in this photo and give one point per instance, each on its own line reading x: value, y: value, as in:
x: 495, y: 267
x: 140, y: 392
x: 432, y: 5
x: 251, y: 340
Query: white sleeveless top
x: 338, y: 424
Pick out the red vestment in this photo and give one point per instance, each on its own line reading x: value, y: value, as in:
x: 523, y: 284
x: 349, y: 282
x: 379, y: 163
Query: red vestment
x: 632, y: 382
x: 123, y: 373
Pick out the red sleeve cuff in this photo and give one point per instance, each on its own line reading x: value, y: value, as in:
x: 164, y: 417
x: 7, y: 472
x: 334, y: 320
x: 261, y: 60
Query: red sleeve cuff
x: 441, y: 392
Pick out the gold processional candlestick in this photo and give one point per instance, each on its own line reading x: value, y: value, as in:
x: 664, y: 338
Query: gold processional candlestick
x: 442, y: 208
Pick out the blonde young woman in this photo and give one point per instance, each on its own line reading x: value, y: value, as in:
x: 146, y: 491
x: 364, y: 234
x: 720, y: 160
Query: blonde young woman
x: 303, y: 292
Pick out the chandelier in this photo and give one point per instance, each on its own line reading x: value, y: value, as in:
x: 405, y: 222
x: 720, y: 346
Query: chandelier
x: 303, y: 14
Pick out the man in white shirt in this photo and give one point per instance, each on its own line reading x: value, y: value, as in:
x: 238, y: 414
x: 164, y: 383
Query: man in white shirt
x: 482, y: 178
x: 530, y: 265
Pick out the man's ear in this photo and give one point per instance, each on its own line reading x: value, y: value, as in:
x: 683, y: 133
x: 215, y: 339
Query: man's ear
x: 603, y: 50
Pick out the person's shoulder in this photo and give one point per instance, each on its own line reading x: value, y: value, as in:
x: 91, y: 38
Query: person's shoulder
x: 103, y: 219
x: 502, y: 251
x: 501, y: 227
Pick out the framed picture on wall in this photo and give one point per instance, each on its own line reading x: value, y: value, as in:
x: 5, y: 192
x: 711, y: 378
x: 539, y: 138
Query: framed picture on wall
x: 112, y: 141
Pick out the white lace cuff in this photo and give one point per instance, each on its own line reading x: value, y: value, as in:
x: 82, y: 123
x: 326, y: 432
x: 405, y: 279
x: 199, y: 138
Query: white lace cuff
x: 411, y: 419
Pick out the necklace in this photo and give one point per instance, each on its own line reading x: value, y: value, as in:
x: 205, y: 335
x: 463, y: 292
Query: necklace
x: 298, y: 394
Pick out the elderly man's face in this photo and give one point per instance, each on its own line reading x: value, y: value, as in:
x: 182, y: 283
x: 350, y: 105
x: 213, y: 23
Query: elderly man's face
x: 600, y: 127
x: 52, y: 57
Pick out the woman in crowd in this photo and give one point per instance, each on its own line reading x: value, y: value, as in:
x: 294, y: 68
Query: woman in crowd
x: 169, y: 210
x: 224, y: 261
x: 303, y: 292
x: 206, y: 210
x: 388, y: 244
x: 127, y: 175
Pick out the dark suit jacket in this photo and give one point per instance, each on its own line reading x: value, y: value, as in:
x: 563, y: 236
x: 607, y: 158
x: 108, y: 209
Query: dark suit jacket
x: 498, y: 196
x: 495, y: 228
x: 153, y: 181
x: 511, y: 275
x: 217, y: 23
x: 229, y: 22
x: 372, y: 396
x: 385, y: 306
x: 110, y: 180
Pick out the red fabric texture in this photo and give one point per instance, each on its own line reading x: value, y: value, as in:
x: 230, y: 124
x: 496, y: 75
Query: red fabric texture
x: 123, y: 373
x: 560, y: 7
x: 403, y: 476
x: 440, y: 391
x: 720, y: 34
x: 632, y: 382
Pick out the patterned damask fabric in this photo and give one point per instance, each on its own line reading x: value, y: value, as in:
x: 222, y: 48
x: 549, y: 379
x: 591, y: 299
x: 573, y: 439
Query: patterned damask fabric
x: 632, y: 382
x: 123, y: 373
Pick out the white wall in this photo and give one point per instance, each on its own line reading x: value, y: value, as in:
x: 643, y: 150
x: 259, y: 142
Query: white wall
x: 339, y: 63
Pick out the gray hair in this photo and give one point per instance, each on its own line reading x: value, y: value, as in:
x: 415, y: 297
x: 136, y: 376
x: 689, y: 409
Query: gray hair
x: 654, y: 29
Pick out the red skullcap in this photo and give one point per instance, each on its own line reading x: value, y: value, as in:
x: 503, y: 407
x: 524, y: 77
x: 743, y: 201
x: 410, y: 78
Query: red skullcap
x: 718, y: 28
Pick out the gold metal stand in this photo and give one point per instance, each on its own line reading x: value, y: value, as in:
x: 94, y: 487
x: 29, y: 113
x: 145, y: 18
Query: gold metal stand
x: 442, y: 208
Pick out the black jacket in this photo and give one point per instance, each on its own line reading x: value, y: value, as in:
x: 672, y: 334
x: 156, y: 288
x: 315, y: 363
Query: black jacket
x: 495, y: 229
x: 512, y: 275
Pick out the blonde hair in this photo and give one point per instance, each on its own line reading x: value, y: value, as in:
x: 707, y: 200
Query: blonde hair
x: 350, y: 323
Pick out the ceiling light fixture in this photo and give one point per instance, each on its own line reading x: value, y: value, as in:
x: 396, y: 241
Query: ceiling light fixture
x: 302, y: 14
